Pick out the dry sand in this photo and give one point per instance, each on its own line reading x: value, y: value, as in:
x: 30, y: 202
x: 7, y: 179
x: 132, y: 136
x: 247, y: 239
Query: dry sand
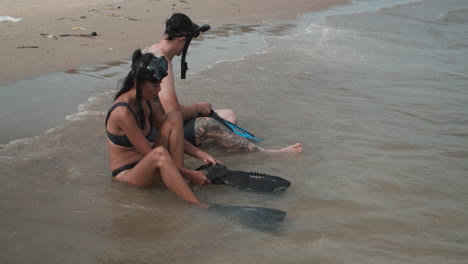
x: 121, y: 25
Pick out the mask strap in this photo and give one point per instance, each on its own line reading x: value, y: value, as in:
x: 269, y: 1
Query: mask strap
x: 141, y: 115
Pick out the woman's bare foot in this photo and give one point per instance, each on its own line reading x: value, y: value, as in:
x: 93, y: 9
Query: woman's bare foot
x: 293, y: 149
x: 203, y: 205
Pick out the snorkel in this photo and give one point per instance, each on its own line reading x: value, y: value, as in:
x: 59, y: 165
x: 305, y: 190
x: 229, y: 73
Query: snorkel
x: 195, y: 33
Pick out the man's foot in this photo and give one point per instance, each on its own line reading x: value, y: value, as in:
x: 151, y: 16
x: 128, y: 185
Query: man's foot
x: 293, y: 149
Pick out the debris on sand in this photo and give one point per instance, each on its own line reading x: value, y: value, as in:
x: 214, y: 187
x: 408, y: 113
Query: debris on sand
x: 78, y: 28
x: 10, y: 19
x: 50, y: 36
x: 129, y: 18
x: 91, y: 35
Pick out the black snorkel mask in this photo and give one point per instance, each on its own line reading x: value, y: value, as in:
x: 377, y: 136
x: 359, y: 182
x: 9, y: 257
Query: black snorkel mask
x: 157, y: 69
x: 195, y: 33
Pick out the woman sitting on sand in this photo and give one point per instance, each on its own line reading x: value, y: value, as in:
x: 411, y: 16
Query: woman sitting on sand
x: 133, y: 124
x: 198, y: 128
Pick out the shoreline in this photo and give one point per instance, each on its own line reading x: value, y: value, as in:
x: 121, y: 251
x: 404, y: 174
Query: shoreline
x: 121, y: 27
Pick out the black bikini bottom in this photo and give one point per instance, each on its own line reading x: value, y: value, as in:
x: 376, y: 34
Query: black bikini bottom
x: 123, y: 168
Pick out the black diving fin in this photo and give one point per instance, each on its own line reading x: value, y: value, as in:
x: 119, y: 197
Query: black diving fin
x: 247, y: 181
x: 260, y: 218
x: 234, y: 128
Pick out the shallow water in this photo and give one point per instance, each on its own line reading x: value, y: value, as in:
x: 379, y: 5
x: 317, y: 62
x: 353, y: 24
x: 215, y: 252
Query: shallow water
x: 378, y: 97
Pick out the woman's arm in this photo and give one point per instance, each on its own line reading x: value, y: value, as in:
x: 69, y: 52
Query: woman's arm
x: 158, y: 113
x: 199, y: 154
x: 195, y: 177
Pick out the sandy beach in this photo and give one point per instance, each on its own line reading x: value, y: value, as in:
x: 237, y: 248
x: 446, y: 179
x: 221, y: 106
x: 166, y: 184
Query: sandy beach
x: 34, y: 46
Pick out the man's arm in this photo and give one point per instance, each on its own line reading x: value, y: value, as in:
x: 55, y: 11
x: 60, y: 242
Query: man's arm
x: 170, y: 102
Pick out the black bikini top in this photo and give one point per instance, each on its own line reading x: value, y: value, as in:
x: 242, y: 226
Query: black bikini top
x: 123, y: 140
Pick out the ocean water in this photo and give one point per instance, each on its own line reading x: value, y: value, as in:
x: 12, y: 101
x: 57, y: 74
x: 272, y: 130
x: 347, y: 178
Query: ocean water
x: 376, y: 91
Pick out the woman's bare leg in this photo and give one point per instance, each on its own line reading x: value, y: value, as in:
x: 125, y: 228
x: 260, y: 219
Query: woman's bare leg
x: 171, y: 136
x: 207, y: 128
x: 161, y: 164
x: 155, y: 165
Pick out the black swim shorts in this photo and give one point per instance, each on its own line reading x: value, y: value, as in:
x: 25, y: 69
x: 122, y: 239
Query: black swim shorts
x: 189, y: 130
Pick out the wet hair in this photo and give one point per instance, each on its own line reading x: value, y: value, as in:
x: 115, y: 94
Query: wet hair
x: 139, y: 74
x: 178, y: 25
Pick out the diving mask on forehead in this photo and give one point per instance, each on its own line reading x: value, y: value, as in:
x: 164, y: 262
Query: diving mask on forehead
x: 157, y: 68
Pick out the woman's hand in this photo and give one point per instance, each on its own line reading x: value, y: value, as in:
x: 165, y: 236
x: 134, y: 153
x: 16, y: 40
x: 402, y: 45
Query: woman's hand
x: 198, y: 178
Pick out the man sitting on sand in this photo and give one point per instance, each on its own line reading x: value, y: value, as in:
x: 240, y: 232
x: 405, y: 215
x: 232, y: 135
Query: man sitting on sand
x: 198, y: 127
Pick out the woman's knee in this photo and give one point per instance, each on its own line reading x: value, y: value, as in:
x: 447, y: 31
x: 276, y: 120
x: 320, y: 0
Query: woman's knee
x: 159, y: 155
x: 175, y: 118
x: 173, y: 121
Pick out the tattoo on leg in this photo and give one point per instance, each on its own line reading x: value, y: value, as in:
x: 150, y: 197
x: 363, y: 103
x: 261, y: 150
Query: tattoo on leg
x: 206, y: 127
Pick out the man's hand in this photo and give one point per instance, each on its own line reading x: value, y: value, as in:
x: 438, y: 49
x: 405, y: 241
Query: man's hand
x: 204, y: 108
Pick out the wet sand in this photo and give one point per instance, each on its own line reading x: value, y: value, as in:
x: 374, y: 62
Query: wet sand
x: 122, y: 26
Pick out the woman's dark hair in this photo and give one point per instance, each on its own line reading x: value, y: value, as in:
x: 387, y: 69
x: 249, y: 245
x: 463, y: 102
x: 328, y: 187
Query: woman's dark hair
x: 178, y: 25
x: 138, y: 75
